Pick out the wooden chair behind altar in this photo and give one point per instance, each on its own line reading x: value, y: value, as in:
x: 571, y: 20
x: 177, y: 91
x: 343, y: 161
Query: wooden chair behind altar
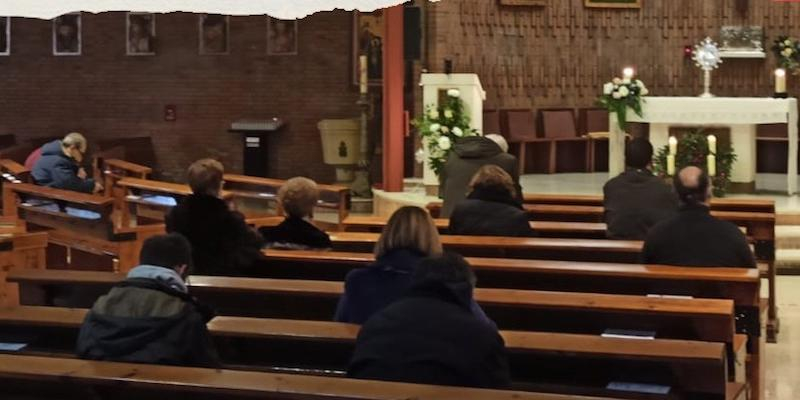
x: 520, y: 129
x: 558, y: 128
x: 593, y: 124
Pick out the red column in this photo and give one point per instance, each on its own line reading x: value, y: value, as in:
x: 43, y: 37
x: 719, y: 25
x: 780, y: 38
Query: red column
x: 393, y: 117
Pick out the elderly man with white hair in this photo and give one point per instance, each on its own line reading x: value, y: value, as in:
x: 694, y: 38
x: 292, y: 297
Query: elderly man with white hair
x: 470, y: 154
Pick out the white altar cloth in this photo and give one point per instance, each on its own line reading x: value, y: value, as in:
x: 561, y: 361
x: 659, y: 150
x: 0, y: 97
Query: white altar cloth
x: 740, y: 114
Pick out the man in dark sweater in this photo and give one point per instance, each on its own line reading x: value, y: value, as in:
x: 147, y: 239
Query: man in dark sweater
x: 635, y: 200
x: 431, y: 335
x: 693, y: 237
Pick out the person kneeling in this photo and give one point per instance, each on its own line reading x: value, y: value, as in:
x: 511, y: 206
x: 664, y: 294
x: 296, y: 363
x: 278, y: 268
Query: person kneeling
x: 491, y: 208
x: 150, y: 317
x: 430, y: 335
x: 298, y: 197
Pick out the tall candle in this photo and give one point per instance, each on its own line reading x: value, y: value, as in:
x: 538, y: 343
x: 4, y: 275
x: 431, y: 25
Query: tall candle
x: 712, y: 144
x: 671, y: 165
x: 627, y: 72
x: 711, y: 162
x: 780, y: 80
x: 362, y: 69
x: 673, y: 145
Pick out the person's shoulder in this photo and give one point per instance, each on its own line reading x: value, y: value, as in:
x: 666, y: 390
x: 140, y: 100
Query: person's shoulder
x: 728, y: 227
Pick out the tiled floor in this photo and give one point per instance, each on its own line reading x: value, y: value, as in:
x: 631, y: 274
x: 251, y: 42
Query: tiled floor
x: 783, y: 358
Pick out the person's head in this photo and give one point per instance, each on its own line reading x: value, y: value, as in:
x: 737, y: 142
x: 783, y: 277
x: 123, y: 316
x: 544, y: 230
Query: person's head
x: 638, y: 153
x: 448, y: 268
x: 74, y: 146
x: 693, y: 186
x: 205, y: 177
x: 213, y: 26
x: 409, y: 228
x: 298, y: 196
x: 491, y: 177
x: 171, y: 251
x: 501, y: 141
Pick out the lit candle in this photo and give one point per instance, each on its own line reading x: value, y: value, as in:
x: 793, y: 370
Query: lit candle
x: 712, y: 144
x: 627, y: 73
x: 780, y: 80
x: 711, y: 162
x: 671, y: 165
x: 673, y: 145
x: 362, y: 69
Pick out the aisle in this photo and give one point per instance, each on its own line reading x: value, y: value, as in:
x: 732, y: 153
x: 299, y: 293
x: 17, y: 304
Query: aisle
x: 783, y: 358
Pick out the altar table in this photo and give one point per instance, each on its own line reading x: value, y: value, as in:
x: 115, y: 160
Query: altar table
x: 740, y: 114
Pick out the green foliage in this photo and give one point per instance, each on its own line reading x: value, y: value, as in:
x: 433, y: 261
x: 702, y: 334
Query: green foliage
x: 441, y: 126
x: 787, y: 50
x: 692, y: 150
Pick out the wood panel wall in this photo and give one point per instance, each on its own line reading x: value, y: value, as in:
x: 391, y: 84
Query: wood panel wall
x: 560, y: 54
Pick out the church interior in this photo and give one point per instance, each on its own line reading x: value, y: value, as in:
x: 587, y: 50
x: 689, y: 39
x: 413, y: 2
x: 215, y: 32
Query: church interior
x: 387, y: 199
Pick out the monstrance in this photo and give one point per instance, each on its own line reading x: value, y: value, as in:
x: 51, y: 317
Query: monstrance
x: 706, y: 56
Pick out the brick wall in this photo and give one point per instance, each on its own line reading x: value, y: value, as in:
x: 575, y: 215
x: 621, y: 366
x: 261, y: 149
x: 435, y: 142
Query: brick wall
x: 560, y: 54
x: 106, y: 94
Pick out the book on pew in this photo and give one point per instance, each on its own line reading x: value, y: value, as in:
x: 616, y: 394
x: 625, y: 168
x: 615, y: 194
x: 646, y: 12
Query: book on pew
x: 12, y: 346
x: 638, y: 387
x: 669, y: 296
x: 629, y: 334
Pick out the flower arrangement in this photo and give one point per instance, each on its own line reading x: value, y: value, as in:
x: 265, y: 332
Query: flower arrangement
x: 441, y: 126
x: 621, y: 94
x: 787, y: 50
x: 694, y: 149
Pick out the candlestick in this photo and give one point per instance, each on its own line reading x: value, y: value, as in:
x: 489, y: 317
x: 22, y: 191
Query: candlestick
x: 627, y: 72
x: 711, y: 163
x: 673, y: 145
x: 712, y: 144
x: 671, y: 165
x: 362, y: 69
x: 780, y: 82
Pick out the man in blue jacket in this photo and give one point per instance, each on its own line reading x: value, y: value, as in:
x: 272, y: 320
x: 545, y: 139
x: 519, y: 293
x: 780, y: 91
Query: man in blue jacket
x: 59, y: 166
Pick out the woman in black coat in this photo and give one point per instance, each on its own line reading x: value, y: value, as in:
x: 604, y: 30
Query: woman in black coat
x: 491, y: 208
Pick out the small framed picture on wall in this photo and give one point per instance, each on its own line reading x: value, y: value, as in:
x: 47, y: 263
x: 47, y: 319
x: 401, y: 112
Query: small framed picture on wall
x: 281, y: 37
x: 368, y: 41
x: 214, y: 34
x: 141, y: 34
x: 613, y: 3
x: 5, y: 36
x: 67, y: 35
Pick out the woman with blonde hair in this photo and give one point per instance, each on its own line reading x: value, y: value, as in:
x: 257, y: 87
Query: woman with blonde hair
x: 297, y: 197
x: 491, y: 208
x: 409, y: 236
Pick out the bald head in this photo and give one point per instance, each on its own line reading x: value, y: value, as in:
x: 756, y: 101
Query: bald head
x: 693, y: 186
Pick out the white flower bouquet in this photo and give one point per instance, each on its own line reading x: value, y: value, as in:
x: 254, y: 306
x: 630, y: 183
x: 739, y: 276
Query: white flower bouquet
x: 441, y: 126
x: 788, y: 52
x: 621, y: 94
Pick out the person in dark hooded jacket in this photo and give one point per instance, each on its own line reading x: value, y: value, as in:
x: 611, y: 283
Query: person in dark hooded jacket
x: 490, y: 208
x: 468, y: 155
x: 409, y: 236
x: 150, y: 317
x: 222, y: 243
x: 58, y: 166
x: 636, y: 200
x: 430, y: 335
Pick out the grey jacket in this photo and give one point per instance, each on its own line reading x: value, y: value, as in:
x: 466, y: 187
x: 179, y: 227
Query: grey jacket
x: 468, y: 156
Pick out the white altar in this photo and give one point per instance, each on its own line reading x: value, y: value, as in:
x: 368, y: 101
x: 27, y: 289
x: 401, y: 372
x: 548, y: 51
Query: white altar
x: 740, y: 114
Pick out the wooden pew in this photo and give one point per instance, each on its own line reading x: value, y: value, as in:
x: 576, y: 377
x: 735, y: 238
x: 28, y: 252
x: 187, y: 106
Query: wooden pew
x: 324, y: 346
x: 757, y: 216
x: 18, y: 250
x: 113, y: 169
x: 593, y: 230
x: 93, y: 231
x: 14, y: 172
x: 31, y: 377
x: 251, y: 192
x: 136, y: 200
x: 690, y: 319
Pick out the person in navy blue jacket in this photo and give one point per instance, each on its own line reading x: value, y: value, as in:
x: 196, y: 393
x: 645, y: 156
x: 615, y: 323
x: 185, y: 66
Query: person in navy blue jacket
x: 59, y: 165
x: 408, y: 237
